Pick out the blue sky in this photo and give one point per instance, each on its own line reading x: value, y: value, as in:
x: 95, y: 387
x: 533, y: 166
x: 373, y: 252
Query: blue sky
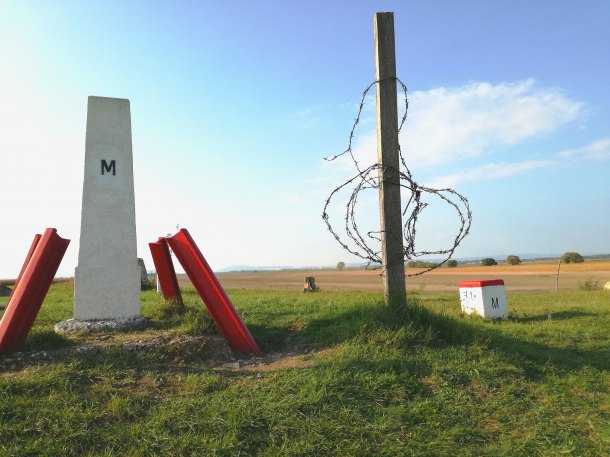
x: 235, y: 104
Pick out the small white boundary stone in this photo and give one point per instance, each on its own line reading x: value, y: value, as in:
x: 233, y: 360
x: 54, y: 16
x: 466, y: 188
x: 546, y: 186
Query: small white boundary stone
x: 485, y: 298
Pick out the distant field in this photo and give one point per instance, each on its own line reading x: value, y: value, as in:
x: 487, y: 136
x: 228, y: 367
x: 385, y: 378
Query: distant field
x: 534, y: 276
x: 538, y: 276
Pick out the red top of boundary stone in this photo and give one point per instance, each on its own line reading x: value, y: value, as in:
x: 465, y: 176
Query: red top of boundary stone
x: 482, y: 283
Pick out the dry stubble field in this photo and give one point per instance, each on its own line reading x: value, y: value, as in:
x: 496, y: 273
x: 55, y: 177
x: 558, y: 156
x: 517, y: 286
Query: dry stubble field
x: 530, y: 276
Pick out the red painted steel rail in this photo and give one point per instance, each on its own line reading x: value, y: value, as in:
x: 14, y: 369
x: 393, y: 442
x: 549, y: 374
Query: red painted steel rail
x: 32, y: 286
x: 165, y: 270
x: 211, y: 292
x: 35, y: 242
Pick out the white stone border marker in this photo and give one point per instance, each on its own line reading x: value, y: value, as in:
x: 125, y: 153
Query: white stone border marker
x: 107, y: 278
x: 485, y: 297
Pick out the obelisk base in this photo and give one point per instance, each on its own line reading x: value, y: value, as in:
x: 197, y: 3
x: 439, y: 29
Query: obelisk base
x: 72, y: 326
x: 102, y: 293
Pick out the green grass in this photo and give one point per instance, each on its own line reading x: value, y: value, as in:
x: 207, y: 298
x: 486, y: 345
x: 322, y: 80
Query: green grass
x: 423, y: 381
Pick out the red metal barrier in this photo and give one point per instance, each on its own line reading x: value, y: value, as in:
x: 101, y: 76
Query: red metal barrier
x: 25, y: 264
x: 211, y: 292
x: 165, y: 270
x: 31, y: 289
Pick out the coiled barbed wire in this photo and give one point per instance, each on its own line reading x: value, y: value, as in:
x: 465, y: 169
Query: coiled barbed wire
x: 369, y: 178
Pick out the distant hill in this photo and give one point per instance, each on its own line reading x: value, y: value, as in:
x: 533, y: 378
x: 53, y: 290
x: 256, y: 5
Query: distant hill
x: 254, y: 268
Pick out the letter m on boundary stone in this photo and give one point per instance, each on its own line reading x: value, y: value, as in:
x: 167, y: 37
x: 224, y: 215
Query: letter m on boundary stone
x: 495, y: 302
x: 108, y: 167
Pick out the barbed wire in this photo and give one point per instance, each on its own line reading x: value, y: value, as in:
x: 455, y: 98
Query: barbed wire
x: 369, y: 178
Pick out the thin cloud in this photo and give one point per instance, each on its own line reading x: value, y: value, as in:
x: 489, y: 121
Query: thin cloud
x: 598, y: 151
x: 449, y: 124
x: 319, y: 117
x: 309, y: 118
x: 490, y: 172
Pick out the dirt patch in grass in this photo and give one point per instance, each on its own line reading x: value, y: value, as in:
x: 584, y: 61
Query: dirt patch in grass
x: 282, y: 361
x: 209, y: 350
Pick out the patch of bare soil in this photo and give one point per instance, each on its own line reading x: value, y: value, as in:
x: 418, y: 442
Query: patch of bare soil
x: 281, y: 361
x: 211, y: 351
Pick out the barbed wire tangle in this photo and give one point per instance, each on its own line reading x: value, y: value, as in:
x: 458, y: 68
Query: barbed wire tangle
x: 369, y: 178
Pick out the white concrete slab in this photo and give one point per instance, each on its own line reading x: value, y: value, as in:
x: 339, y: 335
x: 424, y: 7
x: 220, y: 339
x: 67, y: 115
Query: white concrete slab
x: 107, y: 278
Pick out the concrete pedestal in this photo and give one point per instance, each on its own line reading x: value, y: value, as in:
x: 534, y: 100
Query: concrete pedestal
x: 107, y: 278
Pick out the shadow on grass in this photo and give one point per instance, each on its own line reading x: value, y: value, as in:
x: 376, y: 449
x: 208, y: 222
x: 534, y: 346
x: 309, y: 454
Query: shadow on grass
x: 273, y: 338
x: 279, y: 334
x: 447, y: 330
x: 551, y: 316
x: 44, y: 340
x: 336, y: 329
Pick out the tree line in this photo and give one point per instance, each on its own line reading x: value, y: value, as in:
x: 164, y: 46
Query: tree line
x: 567, y: 257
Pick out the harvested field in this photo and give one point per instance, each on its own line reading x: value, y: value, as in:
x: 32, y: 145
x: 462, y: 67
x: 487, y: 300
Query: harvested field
x: 529, y: 276
x: 534, y: 276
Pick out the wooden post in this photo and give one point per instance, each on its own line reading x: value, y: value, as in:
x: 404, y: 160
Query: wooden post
x: 387, y: 156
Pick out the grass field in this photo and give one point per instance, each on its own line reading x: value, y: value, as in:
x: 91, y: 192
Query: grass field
x: 352, y: 378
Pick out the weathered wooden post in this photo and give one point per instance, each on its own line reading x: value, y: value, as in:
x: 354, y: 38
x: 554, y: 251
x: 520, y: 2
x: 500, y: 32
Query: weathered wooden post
x: 387, y: 155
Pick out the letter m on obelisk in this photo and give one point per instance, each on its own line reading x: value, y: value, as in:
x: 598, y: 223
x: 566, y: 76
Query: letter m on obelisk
x: 108, y: 167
